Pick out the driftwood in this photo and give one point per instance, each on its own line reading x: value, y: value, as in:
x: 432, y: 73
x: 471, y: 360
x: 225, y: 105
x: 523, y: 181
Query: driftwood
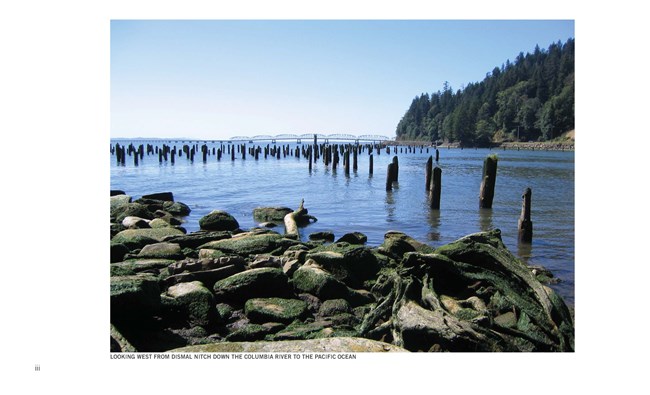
x: 296, y: 219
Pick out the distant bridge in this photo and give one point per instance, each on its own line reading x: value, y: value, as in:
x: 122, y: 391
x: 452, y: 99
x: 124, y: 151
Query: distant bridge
x: 280, y: 137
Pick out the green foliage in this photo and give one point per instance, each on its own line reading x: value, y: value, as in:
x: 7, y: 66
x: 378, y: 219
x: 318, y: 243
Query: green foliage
x: 530, y: 99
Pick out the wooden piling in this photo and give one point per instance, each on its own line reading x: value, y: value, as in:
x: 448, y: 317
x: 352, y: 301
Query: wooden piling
x: 396, y: 170
x: 389, y: 176
x: 346, y: 162
x: 354, y: 159
x: 437, y: 155
x: 525, y: 224
x: 427, y: 174
x: 370, y: 165
x: 436, y: 188
x: 489, y: 179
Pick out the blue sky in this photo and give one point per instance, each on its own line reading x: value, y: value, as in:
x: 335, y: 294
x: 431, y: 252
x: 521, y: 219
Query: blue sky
x: 219, y: 78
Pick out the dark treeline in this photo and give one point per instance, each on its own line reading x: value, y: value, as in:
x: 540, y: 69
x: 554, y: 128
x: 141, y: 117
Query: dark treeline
x: 530, y: 99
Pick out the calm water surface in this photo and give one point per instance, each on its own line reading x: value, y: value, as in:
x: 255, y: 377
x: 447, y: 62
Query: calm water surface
x: 359, y: 202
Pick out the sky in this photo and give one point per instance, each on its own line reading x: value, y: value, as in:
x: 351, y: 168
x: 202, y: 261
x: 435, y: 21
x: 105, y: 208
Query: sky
x: 209, y: 79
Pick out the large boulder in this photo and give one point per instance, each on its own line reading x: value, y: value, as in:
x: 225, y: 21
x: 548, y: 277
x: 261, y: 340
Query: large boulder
x: 333, y: 345
x: 134, y: 266
x: 190, y: 302
x: 218, y: 220
x: 253, y: 283
x: 261, y: 310
x: 134, y: 298
x: 119, y: 212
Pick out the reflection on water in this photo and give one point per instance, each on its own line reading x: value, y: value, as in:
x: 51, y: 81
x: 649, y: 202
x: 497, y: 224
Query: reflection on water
x: 485, y: 219
x: 524, y: 251
x: 434, y: 222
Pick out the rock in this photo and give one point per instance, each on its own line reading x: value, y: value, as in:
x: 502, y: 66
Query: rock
x: 196, y: 239
x: 159, y: 223
x: 264, y: 260
x: 254, y: 332
x: 322, y: 236
x: 164, y: 196
x: 247, y: 244
x: 253, y: 283
x: 130, y: 210
x: 208, y: 277
x: 130, y: 267
x: 268, y: 225
x: 270, y: 214
x: 290, y: 267
x: 177, y: 208
x: 118, y: 201
x: 192, y: 301
x: 313, y: 279
x: 329, y: 345
x: 397, y: 244
x: 218, y: 220
x: 353, y: 238
x: 115, y: 192
x: 138, y: 238
x: 260, y: 310
x: 351, y: 264
x: 161, y: 250
x: 333, y: 307
x: 134, y: 298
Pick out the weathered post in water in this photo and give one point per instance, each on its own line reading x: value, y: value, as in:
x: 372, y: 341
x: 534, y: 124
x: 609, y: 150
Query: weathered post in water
x: 525, y: 224
x: 389, y: 176
x: 396, y: 169
x: 489, y: 179
x: 346, y: 161
x: 370, y: 165
x: 437, y: 155
x: 354, y: 158
x: 436, y: 188
x: 427, y: 174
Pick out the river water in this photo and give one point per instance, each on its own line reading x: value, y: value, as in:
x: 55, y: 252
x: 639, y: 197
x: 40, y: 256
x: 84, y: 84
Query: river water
x: 360, y: 202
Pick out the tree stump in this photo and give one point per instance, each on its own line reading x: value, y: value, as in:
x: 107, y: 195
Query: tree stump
x: 525, y: 224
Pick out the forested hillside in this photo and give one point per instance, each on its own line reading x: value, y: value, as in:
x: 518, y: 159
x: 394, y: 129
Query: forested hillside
x: 530, y: 99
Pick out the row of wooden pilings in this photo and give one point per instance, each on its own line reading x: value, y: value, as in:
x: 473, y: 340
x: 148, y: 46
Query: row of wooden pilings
x: 331, y: 154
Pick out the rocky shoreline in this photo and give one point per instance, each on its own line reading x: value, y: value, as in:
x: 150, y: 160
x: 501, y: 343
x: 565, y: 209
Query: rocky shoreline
x: 225, y: 289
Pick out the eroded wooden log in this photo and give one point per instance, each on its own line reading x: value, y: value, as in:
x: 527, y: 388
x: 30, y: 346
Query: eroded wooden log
x: 525, y: 224
x: 436, y: 188
x: 489, y: 179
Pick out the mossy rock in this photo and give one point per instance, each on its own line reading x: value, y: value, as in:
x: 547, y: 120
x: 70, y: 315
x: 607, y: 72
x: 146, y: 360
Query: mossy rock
x: 334, y: 306
x: 272, y: 214
x: 336, y: 344
x: 253, y: 283
x: 134, y: 298
x: 159, y: 223
x: 247, y: 244
x: 192, y: 301
x: 314, y: 280
x: 322, y: 236
x: 254, y: 332
x: 349, y: 263
x: 139, y: 266
x: 119, y: 200
x: 161, y: 251
x: 138, y: 238
x: 260, y: 310
x: 177, y: 208
x: 396, y: 244
x: 131, y: 210
x: 218, y: 220
x: 196, y: 239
